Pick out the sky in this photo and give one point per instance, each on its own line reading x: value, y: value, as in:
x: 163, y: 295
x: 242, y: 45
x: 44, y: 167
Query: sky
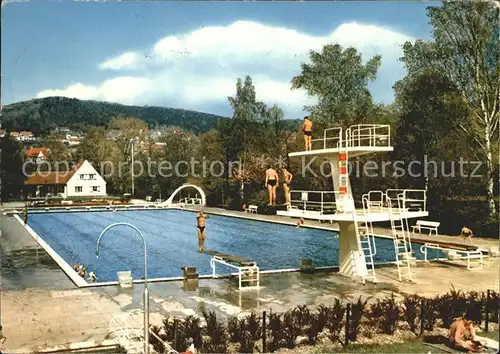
x: 189, y: 54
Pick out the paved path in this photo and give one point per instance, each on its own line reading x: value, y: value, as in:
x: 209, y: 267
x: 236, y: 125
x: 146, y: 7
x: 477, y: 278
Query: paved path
x: 23, y: 263
x: 41, y: 308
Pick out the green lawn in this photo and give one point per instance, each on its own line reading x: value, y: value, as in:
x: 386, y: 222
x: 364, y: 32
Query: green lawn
x: 495, y: 335
x: 414, y: 346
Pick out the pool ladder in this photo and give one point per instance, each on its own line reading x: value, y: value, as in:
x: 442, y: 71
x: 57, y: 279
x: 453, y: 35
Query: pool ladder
x: 367, y: 242
x: 401, y: 239
x: 363, y: 259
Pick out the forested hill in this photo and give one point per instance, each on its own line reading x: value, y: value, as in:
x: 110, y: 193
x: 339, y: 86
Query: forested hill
x: 42, y: 115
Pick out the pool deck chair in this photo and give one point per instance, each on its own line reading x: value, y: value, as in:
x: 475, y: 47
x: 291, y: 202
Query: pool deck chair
x: 426, y: 225
x: 472, y: 255
x: 248, y: 271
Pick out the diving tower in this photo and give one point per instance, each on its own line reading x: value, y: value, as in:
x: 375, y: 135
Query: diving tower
x: 356, y: 250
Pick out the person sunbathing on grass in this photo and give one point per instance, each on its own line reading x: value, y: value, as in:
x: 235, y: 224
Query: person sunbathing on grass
x: 463, y: 335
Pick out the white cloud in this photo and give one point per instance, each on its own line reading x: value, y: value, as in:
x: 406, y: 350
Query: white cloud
x: 74, y: 91
x: 200, y: 68
x: 127, y: 60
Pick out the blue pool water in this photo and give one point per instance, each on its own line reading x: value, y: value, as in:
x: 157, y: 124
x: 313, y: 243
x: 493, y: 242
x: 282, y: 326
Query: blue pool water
x: 172, y: 242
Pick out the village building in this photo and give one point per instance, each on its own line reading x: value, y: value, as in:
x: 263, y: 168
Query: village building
x: 38, y: 155
x: 81, y: 181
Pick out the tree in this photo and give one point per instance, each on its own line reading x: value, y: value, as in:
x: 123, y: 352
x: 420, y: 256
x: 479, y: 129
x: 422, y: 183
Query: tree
x: 466, y: 49
x: 428, y: 105
x: 245, y: 128
x: 338, y: 78
x: 59, y: 153
x: 11, y: 169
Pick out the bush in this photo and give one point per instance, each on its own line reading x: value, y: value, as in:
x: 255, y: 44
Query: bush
x: 493, y: 303
x: 430, y: 313
x: 474, y: 306
x: 390, y: 316
x: 276, y: 330
x: 217, y: 333
x: 234, y: 330
x: 384, y: 315
x: 335, y: 321
x: 411, y: 311
x: 357, y: 312
x: 253, y: 326
x: 283, y: 329
x: 450, y: 306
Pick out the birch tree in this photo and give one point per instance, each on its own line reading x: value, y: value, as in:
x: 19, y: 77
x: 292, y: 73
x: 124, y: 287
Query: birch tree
x: 465, y: 48
x: 338, y: 78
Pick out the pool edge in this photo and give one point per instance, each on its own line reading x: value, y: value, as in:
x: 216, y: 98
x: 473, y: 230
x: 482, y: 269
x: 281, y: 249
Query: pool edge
x: 65, y: 267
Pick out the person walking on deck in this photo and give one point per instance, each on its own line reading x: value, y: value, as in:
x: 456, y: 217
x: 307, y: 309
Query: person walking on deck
x: 307, y: 126
x: 287, y: 180
x: 272, y: 181
x: 25, y: 214
x: 466, y: 233
x: 201, y: 229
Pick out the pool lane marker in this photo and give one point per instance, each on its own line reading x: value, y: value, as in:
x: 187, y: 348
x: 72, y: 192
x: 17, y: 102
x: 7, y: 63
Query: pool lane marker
x: 66, y: 268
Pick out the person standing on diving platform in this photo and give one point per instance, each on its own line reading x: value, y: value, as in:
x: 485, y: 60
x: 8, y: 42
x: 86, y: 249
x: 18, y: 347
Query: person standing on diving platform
x: 201, y: 228
x: 271, y: 184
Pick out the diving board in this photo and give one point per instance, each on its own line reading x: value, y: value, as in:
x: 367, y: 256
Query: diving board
x: 472, y: 255
x: 247, y: 270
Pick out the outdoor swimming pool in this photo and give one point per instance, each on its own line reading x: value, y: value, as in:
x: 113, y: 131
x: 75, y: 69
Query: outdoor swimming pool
x: 172, y: 242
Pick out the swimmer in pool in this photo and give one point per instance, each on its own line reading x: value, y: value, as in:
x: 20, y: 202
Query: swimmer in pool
x: 272, y: 182
x: 201, y: 229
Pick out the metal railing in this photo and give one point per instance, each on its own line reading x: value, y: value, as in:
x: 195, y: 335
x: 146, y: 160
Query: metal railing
x: 128, y: 333
x: 360, y: 135
x: 412, y: 199
x: 332, y: 138
x: 368, y: 135
x: 190, y: 201
x: 322, y: 201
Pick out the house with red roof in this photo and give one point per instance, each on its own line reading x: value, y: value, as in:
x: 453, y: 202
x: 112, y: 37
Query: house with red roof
x: 37, y: 155
x: 81, y: 181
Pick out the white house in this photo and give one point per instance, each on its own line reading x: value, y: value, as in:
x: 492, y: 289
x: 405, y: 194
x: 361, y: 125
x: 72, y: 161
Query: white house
x: 82, y: 181
x: 85, y: 182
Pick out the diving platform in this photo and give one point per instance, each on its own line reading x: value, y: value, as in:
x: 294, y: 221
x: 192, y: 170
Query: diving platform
x: 247, y: 270
x: 360, y: 215
x: 337, y: 146
x: 357, y: 140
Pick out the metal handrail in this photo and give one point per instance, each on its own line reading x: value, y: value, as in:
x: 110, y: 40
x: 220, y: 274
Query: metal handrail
x: 322, y: 202
x: 361, y: 132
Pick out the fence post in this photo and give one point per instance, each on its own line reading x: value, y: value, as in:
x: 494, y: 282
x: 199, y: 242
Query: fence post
x: 347, y: 320
x: 264, y: 332
x: 422, y: 314
x: 175, y: 334
x: 487, y: 319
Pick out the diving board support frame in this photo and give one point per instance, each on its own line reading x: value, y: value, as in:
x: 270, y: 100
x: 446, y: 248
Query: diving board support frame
x: 246, y: 273
x: 471, y: 255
